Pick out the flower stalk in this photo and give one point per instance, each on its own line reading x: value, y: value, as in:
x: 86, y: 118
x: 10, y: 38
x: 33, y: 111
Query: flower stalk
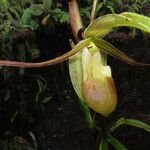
x: 93, y: 14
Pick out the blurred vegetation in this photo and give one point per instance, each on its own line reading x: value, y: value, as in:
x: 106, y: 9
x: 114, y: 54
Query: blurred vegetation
x: 115, y: 6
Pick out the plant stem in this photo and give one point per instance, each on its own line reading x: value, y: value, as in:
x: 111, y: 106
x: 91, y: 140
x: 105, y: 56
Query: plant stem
x: 86, y: 110
x: 75, y: 18
x: 93, y: 14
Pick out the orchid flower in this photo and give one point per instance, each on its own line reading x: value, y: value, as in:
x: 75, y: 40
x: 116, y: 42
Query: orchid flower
x: 90, y: 75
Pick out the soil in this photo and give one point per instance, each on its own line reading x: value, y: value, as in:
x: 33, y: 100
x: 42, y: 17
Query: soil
x: 60, y: 123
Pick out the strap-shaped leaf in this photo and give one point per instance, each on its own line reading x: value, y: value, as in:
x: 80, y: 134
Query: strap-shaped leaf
x: 115, y: 143
x: 118, y: 123
x: 102, y: 25
x: 103, y: 144
x: 111, y: 50
x: 138, y: 18
x: 130, y: 122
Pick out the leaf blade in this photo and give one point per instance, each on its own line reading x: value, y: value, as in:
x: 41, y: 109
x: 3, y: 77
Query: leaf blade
x: 118, y: 123
x: 36, y: 9
x: 131, y: 122
x: 103, y: 144
x: 116, y: 144
x: 137, y: 123
x: 47, y: 5
x: 103, y: 25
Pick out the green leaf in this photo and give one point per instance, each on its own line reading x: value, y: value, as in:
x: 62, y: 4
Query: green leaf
x: 120, y: 122
x: 86, y: 110
x: 3, y: 5
x: 47, y: 99
x: 137, y: 123
x: 104, y: 24
x: 64, y: 17
x: 111, y: 8
x: 86, y: 12
x: 33, y: 137
x: 99, y: 6
x: 47, y: 5
x: 14, y: 12
x: 60, y: 15
x: 139, y: 18
x: 111, y: 50
x: 42, y: 84
x: 103, y: 144
x: 115, y: 143
x: 33, y: 24
x: 26, y: 17
x: 130, y: 122
x: 36, y: 9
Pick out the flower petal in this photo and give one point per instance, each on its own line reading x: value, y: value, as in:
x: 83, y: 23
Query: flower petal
x: 75, y: 67
x: 111, y: 50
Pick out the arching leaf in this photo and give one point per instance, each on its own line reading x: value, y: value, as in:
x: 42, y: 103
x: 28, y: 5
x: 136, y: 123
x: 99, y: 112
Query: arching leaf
x: 103, y: 144
x: 104, y: 24
x: 47, y: 5
x: 36, y: 9
x: 130, y: 122
x: 116, y: 144
x: 138, y: 18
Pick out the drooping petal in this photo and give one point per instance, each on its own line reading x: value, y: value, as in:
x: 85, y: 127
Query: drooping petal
x: 111, y: 50
x: 78, y: 47
x: 99, y: 70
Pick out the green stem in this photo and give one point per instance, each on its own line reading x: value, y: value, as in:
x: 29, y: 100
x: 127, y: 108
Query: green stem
x: 86, y: 110
x: 93, y: 14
